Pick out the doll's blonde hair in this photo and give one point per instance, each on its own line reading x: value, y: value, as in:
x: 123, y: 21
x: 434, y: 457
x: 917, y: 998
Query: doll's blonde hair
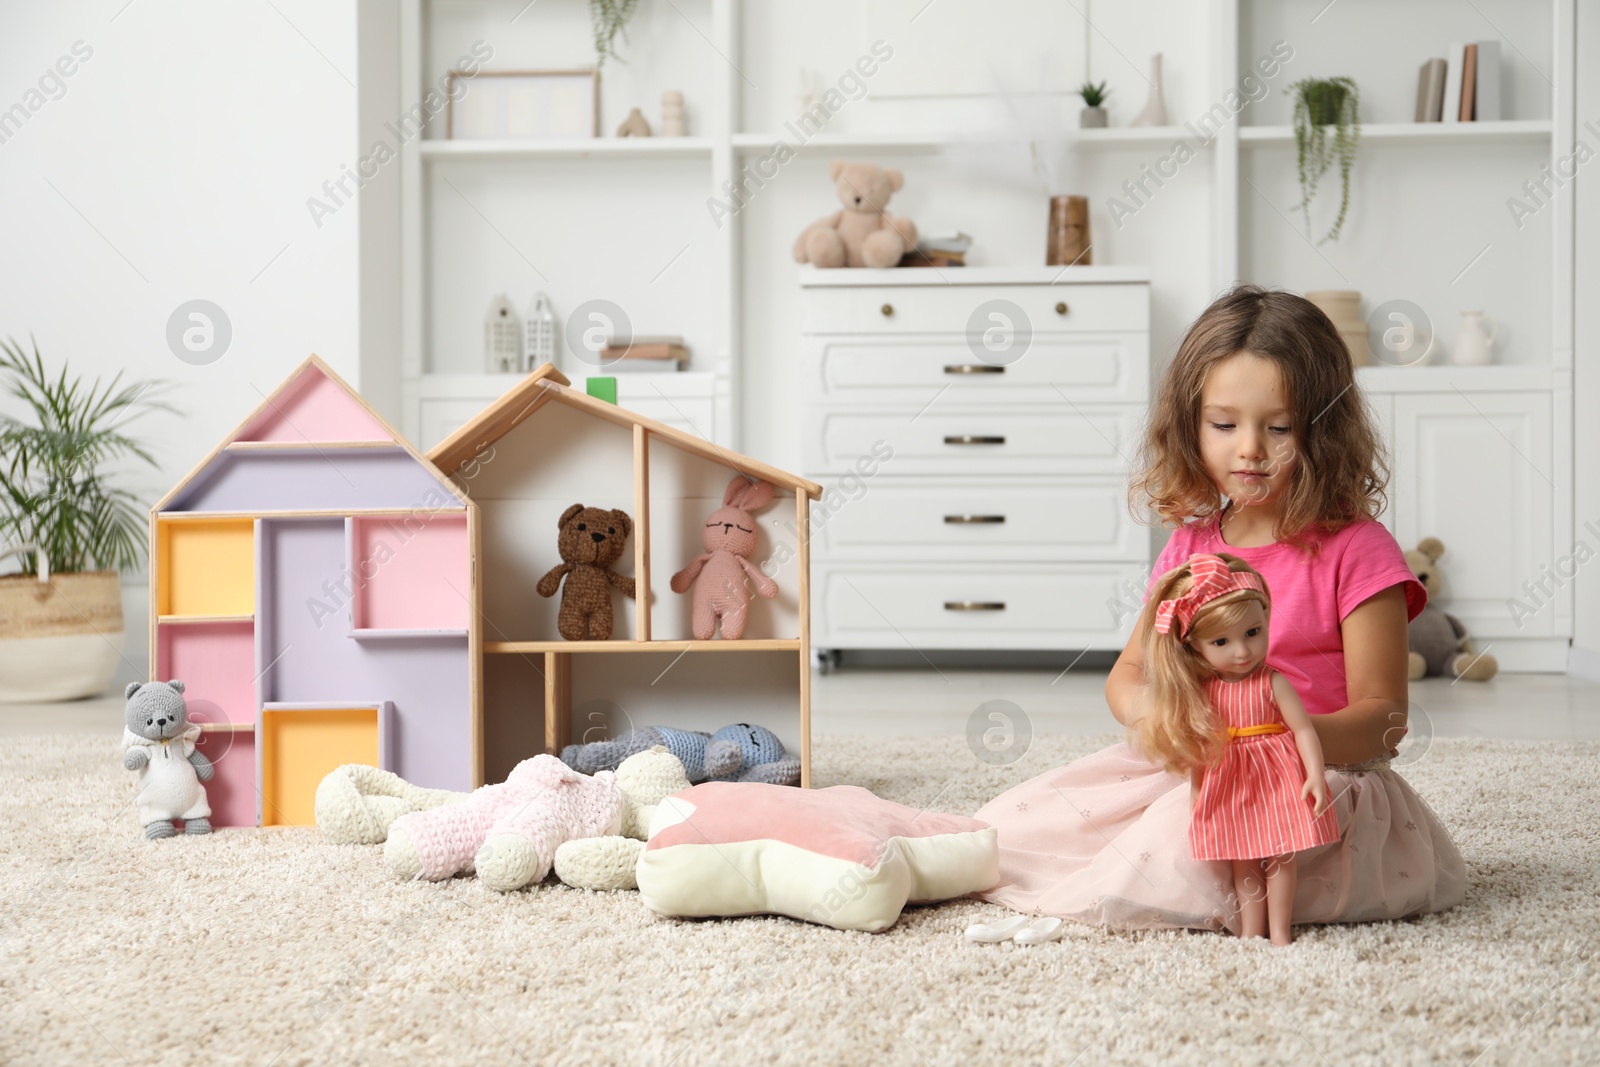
x: 1177, y: 726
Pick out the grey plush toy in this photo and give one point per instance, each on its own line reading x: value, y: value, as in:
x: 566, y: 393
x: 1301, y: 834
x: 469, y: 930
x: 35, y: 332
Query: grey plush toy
x: 158, y: 741
x: 1439, y: 642
x: 739, y: 752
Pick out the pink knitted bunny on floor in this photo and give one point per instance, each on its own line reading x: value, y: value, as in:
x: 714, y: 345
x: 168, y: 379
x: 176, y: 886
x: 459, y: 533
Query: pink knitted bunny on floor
x: 720, y: 575
x: 509, y: 832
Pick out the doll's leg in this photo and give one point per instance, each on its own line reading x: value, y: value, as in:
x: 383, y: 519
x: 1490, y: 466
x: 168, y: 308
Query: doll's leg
x: 1281, y: 879
x: 1252, y: 895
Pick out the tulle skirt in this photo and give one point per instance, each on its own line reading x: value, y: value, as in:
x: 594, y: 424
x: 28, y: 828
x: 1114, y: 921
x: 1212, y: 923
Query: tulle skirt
x: 1105, y: 840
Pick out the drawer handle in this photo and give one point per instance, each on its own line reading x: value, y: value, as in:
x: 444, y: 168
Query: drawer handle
x: 974, y: 605
x: 972, y: 368
x: 1061, y: 308
x: 973, y: 439
x: 971, y: 520
x: 887, y: 309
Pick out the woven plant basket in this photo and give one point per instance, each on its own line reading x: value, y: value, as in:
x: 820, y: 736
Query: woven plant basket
x: 59, y: 640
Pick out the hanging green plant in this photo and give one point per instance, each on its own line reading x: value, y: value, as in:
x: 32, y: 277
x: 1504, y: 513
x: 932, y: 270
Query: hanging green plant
x: 1321, y: 103
x: 610, y: 17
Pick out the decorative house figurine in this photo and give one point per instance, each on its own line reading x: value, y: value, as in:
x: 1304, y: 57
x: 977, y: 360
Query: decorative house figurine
x: 635, y: 125
x: 541, y: 333
x: 502, y: 337
x: 314, y: 581
x: 674, y: 120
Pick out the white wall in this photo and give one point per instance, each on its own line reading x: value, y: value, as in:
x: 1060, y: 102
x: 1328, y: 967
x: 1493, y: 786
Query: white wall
x: 175, y: 165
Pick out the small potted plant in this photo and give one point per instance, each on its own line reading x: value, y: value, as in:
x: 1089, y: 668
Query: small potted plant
x: 61, y: 628
x: 1327, y: 127
x: 1093, y: 115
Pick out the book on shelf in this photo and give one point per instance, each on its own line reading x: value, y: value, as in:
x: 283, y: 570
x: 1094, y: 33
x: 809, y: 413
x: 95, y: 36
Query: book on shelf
x: 1469, y: 81
x: 1430, y: 91
x: 1486, y: 104
x: 645, y: 353
x: 1452, y: 81
x: 948, y: 251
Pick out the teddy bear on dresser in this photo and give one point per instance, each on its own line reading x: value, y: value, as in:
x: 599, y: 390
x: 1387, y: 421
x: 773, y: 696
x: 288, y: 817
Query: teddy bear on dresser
x: 158, y: 741
x: 1438, y: 641
x: 591, y: 542
x: 863, y: 234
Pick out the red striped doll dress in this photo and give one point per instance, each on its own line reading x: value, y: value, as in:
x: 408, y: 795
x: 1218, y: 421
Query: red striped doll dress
x: 1249, y: 805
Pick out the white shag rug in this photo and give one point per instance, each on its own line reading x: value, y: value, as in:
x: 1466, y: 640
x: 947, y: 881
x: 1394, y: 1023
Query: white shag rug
x: 272, y: 947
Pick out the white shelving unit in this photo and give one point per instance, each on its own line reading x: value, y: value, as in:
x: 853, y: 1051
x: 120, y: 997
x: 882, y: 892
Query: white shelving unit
x: 631, y: 220
x: 1483, y: 455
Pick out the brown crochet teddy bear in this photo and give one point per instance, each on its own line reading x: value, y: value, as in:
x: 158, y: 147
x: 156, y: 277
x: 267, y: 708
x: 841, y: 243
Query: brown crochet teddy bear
x: 864, y: 234
x: 1439, y: 642
x: 591, y: 542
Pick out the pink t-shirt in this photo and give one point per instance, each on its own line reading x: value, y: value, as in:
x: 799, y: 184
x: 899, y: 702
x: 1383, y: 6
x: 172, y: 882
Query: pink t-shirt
x: 1310, y: 596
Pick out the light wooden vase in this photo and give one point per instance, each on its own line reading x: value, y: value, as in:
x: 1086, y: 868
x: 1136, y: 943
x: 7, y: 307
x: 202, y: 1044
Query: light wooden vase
x: 1343, y: 308
x: 61, y: 639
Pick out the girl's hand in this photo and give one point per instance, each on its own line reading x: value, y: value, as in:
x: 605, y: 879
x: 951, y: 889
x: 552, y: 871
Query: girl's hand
x: 1316, y: 786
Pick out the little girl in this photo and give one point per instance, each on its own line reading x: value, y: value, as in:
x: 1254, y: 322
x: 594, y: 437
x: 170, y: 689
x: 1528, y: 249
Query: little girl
x: 1216, y: 712
x: 1260, y: 445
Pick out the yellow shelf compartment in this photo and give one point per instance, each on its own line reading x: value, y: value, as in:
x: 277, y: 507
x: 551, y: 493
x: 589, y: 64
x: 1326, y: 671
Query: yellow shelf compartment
x: 205, y: 568
x: 299, y: 744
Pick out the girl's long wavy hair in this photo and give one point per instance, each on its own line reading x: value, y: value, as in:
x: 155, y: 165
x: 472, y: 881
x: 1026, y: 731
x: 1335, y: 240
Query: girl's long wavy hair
x: 1176, y: 725
x: 1343, y: 468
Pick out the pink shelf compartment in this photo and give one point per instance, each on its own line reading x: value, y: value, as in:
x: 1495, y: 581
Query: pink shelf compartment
x: 232, y: 792
x: 216, y: 663
x: 411, y: 576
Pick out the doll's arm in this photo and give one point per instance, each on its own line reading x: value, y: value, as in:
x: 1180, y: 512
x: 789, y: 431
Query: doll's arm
x: 623, y: 582
x: 764, y: 585
x: 1305, y: 737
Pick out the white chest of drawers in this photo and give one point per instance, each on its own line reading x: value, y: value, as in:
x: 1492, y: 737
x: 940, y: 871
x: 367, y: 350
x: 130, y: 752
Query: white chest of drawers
x: 972, y: 428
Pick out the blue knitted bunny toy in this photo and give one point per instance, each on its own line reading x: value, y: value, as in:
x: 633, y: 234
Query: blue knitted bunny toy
x: 745, y: 753
x: 740, y: 752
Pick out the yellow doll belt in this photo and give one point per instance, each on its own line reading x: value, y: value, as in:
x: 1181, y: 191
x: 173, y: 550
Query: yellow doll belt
x: 1254, y: 731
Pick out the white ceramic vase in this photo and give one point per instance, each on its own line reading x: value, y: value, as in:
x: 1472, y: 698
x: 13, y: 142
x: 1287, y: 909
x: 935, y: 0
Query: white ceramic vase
x: 1474, y: 345
x: 1155, y: 108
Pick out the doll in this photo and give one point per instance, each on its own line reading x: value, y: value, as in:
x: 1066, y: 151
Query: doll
x: 1215, y: 711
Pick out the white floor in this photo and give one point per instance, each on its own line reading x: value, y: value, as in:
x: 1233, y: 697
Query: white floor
x: 932, y: 700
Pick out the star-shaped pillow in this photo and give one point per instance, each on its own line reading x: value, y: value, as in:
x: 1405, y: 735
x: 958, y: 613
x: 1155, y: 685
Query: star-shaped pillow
x: 840, y: 856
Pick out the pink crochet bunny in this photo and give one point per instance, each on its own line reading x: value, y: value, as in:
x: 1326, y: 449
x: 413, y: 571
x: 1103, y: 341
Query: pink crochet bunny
x: 508, y: 832
x: 719, y: 576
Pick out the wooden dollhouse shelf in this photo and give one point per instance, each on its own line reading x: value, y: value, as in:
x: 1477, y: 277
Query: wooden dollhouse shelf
x: 301, y: 446
x: 179, y: 620
x: 777, y: 644
x: 400, y: 635
x: 227, y: 727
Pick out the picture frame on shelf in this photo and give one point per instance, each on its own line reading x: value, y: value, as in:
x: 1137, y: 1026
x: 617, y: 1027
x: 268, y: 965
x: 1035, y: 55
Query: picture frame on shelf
x: 524, y: 105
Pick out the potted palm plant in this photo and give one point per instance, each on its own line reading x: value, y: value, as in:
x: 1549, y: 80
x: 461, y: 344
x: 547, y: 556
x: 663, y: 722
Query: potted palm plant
x: 61, y: 628
x: 1327, y: 127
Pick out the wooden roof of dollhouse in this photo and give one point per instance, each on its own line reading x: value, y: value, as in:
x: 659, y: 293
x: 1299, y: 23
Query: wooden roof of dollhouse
x: 358, y: 460
x: 548, y: 384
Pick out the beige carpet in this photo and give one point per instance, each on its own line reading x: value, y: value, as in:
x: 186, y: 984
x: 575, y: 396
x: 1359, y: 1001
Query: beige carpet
x: 271, y: 947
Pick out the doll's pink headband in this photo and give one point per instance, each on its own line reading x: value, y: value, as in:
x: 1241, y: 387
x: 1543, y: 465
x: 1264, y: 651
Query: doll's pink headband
x: 1212, y: 578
